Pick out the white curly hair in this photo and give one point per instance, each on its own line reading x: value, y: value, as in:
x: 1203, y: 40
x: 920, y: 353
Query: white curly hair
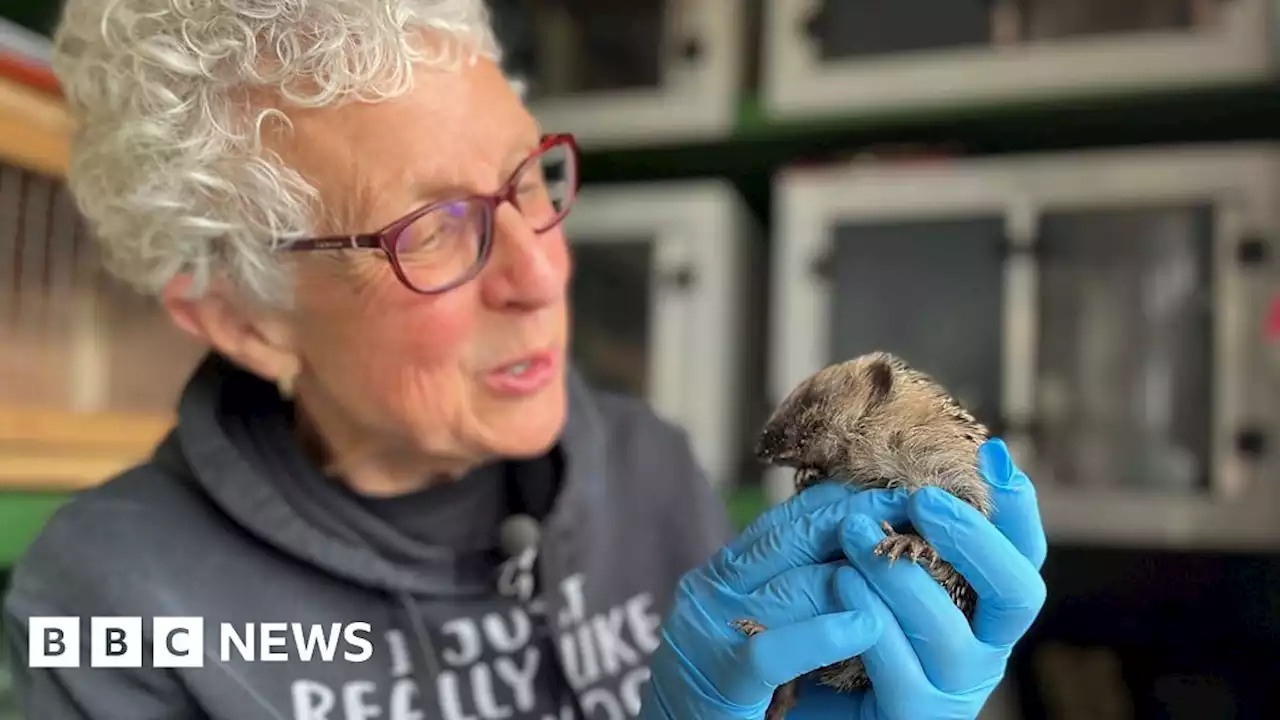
x: 167, y: 161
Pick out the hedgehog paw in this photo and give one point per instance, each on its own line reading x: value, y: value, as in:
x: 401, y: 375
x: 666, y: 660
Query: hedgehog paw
x: 897, y: 545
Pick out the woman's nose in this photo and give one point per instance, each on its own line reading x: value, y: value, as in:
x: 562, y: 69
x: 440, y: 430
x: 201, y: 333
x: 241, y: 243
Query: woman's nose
x: 526, y: 268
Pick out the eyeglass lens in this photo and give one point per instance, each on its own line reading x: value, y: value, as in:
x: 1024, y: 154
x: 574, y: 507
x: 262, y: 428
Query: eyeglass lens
x: 444, y: 245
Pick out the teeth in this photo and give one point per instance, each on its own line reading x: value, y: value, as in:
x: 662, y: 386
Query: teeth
x: 518, y: 369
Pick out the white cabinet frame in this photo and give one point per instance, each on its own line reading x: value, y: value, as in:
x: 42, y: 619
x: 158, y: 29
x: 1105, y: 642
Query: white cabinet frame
x: 696, y: 100
x: 798, y: 83
x: 1242, y: 505
x: 696, y: 331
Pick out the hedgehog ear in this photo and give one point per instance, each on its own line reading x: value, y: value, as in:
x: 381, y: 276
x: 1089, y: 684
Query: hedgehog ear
x: 805, y: 395
x: 880, y: 382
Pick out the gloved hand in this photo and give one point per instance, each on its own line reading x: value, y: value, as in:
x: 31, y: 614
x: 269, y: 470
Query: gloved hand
x: 777, y: 573
x: 929, y: 662
x: 805, y: 571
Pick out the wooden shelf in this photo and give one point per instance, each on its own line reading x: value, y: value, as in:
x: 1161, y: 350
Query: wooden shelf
x: 56, y: 451
x: 35, y: 129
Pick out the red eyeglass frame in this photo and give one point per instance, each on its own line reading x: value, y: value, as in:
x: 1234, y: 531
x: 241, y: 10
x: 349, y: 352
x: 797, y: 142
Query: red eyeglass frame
x: 385, y: 239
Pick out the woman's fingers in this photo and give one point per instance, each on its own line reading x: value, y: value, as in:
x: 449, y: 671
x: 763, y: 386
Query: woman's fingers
x: 803, y: 593
x: 809, y: 538
x: 833, y: 622
x: 1009, y: 587
x: 1017, y: 514
x: 786, y: 512
x: 892, y: 662
x: 938, y: 632
x: 808, y: 622
x: 782, y: 654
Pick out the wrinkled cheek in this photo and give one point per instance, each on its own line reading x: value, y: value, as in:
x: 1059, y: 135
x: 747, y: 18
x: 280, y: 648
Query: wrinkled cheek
x: 432, y: 343
x: 386, y: 346
x: 426, y: 357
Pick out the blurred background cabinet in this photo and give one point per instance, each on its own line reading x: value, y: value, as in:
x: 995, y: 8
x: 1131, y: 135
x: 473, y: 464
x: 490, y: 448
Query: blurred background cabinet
x: 628, y: 73
x: 856, y: 57
x: 665, y: 297
x: 1104, y: 311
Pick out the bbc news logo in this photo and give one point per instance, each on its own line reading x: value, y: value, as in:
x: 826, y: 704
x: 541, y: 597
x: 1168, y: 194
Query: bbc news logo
x: 179, y: 642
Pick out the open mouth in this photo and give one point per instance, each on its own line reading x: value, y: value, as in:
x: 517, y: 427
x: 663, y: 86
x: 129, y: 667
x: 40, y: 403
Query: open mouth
x: 519, y: 368
x: 524, y: 376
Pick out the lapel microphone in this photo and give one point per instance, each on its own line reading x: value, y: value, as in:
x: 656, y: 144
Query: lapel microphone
x: 519, y: 537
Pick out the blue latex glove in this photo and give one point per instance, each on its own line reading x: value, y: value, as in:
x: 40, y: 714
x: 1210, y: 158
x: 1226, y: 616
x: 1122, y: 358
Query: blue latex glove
x: 930, y: 663
x: 794, y: 571
x: 779, y: 573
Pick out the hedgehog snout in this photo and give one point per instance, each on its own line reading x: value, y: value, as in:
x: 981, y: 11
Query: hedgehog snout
x: 769, y: 444
x: 766, y: 445
x: 775, y: 444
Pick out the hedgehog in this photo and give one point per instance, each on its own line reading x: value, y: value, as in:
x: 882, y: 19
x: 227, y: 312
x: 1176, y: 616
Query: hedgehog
x: 876, y: 422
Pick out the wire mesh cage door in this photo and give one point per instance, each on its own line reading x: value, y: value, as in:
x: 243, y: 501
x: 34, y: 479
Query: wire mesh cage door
x: 74, y: 339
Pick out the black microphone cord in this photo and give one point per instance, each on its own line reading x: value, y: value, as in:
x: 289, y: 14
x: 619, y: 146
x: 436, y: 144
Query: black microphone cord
x: 532, y: 489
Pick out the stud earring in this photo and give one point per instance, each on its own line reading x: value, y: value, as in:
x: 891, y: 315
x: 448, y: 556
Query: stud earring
x: 285, y: 383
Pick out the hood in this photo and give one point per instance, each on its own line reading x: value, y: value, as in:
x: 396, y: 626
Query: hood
x: 266, y: 506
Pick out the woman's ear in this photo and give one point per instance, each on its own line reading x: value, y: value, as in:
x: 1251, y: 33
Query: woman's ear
x: 257, y: 338
x: 182, y: 309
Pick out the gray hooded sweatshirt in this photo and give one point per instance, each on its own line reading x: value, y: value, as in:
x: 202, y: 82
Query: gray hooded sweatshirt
x: 316, y: 604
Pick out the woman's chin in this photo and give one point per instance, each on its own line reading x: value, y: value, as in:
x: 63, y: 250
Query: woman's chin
x: 528, y: 428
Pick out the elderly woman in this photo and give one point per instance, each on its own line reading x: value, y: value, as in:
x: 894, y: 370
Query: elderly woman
x: 387, y: 495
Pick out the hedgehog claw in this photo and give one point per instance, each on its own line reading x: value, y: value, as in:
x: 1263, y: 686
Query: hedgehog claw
x: 895, y: 545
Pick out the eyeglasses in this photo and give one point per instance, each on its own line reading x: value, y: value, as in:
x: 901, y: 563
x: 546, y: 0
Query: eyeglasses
x: 445, y: 244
